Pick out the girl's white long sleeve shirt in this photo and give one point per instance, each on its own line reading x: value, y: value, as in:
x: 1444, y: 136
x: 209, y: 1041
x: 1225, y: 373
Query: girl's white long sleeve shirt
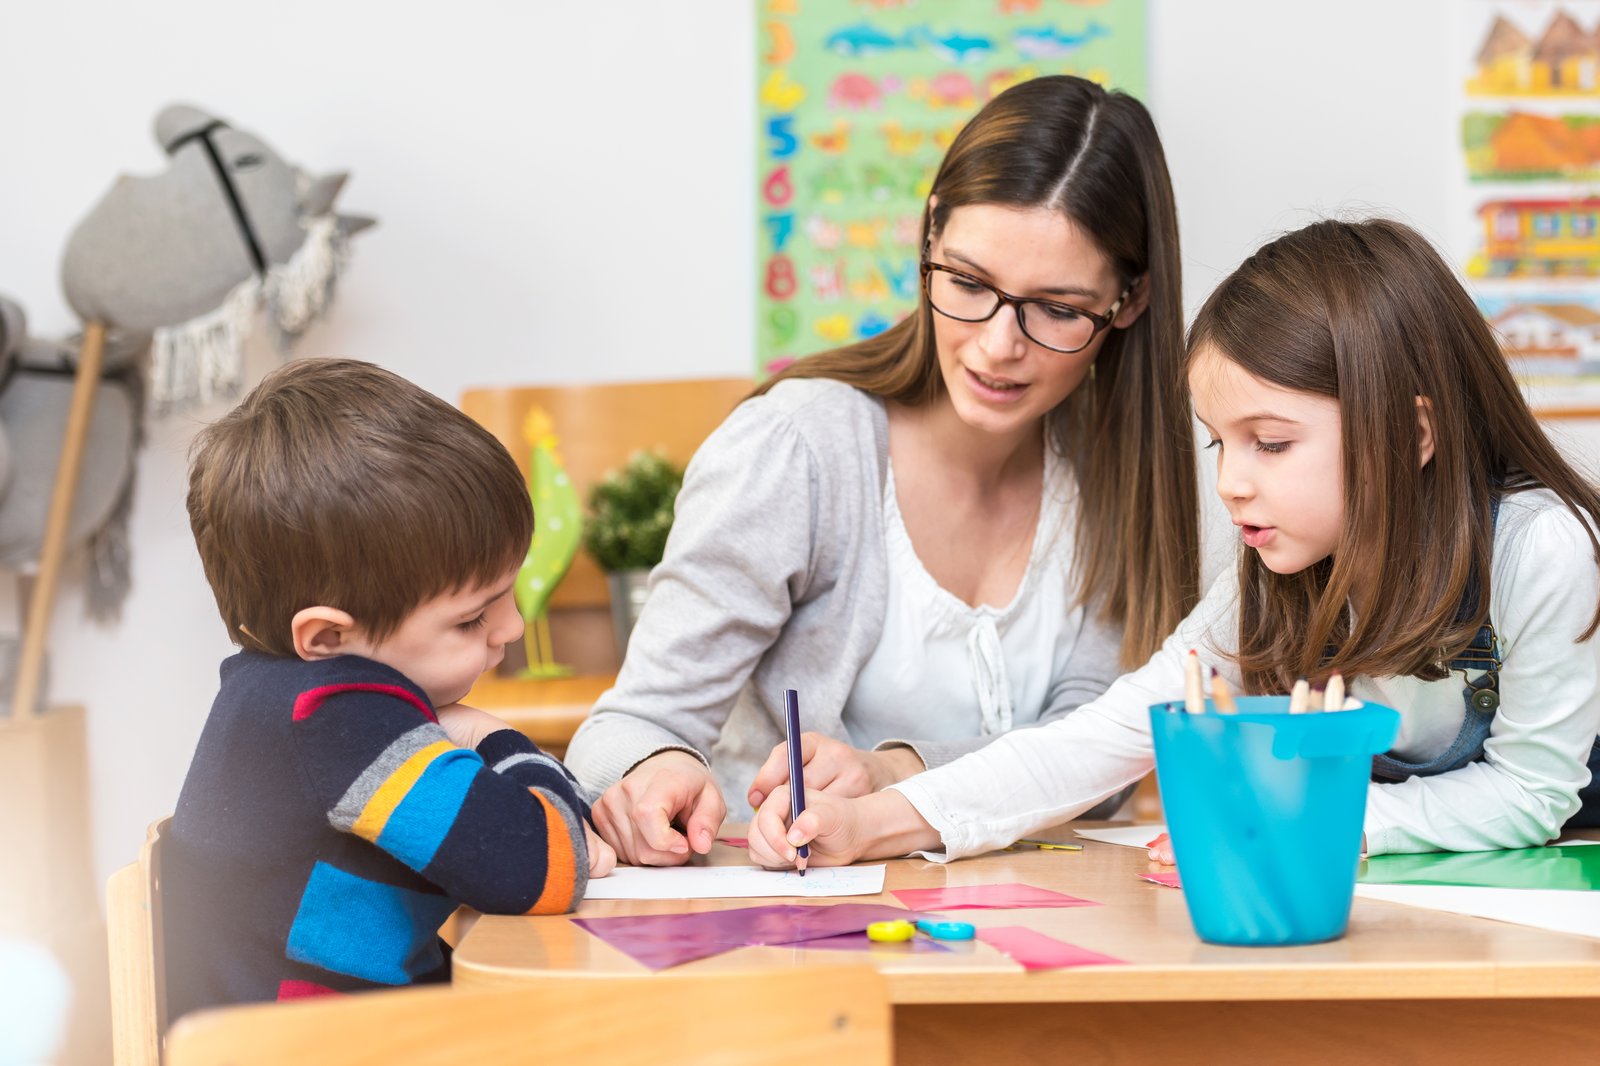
x: 1544, y: 587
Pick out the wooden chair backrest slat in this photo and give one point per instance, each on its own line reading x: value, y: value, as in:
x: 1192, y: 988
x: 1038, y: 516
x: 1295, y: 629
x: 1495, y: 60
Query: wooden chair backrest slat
x: 787, y: 1017
x: 137, y: 949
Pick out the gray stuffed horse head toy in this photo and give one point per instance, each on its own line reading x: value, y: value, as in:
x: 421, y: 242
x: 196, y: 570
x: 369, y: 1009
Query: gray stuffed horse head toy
x: 189, y: 255
x: 177, y: 264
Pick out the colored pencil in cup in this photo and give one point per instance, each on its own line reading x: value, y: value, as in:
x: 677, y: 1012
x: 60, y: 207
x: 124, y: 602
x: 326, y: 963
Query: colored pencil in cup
x: 1333, y: 698
x: 797, y: 784
x: 1222, y: 695
x: 1300, y: 697
x: 1194, y: 700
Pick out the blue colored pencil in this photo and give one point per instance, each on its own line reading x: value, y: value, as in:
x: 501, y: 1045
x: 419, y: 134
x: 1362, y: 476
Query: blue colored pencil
x: 797, y: 783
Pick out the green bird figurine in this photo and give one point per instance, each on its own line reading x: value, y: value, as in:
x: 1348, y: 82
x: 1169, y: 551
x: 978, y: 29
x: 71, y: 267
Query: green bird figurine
x: 557, y: 533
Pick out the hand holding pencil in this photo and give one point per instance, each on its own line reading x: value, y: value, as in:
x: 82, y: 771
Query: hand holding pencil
x: 835, y: 830
x: 835, y: 827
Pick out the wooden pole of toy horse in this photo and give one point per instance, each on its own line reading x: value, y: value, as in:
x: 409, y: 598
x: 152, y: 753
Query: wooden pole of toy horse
x: 57, y: 522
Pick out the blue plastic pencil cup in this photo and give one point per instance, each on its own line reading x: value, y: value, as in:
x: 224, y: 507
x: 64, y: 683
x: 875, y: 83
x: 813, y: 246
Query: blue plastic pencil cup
x: 1265, y: 810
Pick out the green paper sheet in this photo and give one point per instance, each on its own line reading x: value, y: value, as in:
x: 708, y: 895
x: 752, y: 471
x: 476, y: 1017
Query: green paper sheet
x: 1568, y: 866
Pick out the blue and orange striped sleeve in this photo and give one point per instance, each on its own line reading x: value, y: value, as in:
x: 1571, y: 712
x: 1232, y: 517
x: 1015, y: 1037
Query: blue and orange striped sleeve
x: 509, y: 842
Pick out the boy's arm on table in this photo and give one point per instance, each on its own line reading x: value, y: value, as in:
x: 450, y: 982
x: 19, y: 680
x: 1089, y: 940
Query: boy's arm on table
x: 508, y: 752
x: 500, y: 828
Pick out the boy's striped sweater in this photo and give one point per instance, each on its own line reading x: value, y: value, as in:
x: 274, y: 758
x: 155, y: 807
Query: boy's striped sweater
x: 328, y: 827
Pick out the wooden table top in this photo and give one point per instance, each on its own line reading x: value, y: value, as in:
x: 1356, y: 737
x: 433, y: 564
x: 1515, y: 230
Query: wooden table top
x: 1390, y: 952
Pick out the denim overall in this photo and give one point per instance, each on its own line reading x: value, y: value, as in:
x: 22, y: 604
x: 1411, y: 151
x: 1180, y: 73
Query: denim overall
x: 1482, y: 698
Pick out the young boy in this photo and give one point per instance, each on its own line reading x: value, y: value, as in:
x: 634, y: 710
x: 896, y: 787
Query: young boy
x: 361, y: 537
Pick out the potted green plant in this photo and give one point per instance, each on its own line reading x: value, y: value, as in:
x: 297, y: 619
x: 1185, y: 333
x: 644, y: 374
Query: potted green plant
x: 630, y: 515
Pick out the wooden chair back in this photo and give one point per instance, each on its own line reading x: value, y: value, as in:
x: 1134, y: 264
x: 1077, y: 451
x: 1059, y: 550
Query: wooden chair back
x: 598, y: 427
x: 788, y: 1017
x: 138, y: 969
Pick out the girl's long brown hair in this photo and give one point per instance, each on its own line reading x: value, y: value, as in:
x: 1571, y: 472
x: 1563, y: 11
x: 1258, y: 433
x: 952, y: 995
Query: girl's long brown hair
x: 1367, y: 313
x: 1066, y: 144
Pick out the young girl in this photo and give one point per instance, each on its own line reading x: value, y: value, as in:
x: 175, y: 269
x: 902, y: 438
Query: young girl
x: 1404, y: 520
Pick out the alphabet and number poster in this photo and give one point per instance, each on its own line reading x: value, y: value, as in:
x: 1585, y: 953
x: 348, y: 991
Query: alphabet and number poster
x: 857, y: 102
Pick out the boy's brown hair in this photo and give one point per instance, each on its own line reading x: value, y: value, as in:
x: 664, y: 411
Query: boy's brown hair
x: 338, y: 483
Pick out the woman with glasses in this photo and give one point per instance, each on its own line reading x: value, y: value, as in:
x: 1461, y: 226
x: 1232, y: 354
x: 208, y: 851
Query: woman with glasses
x: 968, y: 524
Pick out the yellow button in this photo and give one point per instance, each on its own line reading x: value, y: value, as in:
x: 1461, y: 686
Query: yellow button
x: 891, y: 932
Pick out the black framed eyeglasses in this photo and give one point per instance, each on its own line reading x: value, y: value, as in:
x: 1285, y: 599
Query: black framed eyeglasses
x: 1057, y: 326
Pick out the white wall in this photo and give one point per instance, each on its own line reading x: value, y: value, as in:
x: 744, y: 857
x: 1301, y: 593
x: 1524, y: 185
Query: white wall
x: 518, y: 176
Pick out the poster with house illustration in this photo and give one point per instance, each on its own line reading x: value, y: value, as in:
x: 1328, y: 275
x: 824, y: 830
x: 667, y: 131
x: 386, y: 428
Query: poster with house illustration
x: 1530, y: 189
x: 857, y: 101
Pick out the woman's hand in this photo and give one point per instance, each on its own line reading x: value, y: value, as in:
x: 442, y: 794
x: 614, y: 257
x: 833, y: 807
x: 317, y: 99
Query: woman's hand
x: 637, y: 815
x: 835, y: 767
x: 602, y: 860
x: 467, y: 726
x: 837, y: 830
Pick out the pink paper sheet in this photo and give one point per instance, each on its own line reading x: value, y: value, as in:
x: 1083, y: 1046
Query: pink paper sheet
x: 974, y: 897
x: 1035, y: 951
x: 735, y: 842
x: 1170, y: 879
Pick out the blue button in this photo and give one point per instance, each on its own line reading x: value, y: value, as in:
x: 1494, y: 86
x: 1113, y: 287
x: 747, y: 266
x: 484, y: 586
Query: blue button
x: 948, y: 930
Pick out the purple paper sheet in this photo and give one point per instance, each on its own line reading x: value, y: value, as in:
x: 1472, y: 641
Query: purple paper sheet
x: 861, y: 942
x: 662, y: 940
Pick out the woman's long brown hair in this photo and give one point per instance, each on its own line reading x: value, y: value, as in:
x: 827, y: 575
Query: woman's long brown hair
x: 1367, y: 313
x: 1066, y: 144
